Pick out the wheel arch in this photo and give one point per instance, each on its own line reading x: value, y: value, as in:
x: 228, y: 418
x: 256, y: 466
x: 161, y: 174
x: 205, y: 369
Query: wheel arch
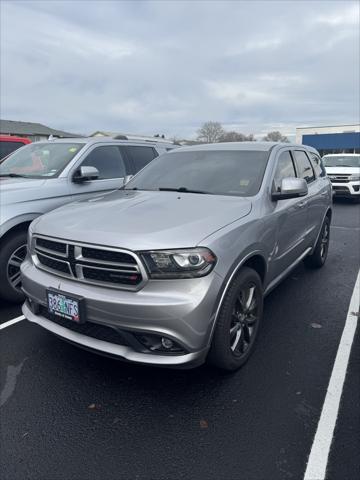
x: 254, y: 260
x: 17, y: 224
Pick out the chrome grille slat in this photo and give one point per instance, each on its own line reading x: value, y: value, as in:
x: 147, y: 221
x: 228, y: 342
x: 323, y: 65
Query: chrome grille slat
x: 95, y: 267
x: 339, y: 178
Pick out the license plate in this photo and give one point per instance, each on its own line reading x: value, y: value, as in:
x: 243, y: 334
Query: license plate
x: 65, y: 306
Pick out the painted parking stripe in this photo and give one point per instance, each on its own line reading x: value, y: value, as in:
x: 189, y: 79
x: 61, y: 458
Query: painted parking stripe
x: 318, y: 459
x: 11, y: 322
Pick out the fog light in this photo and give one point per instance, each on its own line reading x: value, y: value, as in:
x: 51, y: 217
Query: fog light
x: 167, y: 343
x: 157, y: 344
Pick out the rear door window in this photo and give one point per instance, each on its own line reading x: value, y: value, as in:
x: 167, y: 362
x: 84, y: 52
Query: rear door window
x: 141, y: 156
x: 318, y: 165
x: 284, y: 169
x: 304, y: 167
x: 108, y: 160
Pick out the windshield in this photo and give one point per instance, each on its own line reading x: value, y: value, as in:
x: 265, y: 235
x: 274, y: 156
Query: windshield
x: 341, y: 161
x: 218, y: 172
x: 39, y: 160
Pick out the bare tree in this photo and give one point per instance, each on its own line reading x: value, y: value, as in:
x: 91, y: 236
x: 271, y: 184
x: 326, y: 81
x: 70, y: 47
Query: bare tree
x: 210, y: 132
x: 275, y: 136
x: 236, y: 137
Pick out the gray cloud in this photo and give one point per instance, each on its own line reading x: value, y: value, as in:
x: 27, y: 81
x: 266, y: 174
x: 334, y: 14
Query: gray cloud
x: 151, y: 67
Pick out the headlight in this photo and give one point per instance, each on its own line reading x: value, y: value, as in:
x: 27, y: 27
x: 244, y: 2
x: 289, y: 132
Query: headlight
x: 184, y: 263
x: 354, y: 178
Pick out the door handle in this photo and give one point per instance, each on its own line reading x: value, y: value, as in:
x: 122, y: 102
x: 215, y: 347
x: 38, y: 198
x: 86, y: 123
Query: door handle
x: 324, y: 194
x: 302, y: 204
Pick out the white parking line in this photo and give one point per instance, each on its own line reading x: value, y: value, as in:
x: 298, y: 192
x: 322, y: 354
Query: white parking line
x: 319, y: 455
x: 11, y: 322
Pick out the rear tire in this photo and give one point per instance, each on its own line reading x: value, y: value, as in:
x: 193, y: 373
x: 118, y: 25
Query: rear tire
x: 238, y: 323
x: 318, y: 258
x: 12, y: 253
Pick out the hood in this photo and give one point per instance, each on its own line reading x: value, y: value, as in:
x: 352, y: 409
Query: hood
x: 14, y: 190
x: 143, y: 220
x: 342, y: 170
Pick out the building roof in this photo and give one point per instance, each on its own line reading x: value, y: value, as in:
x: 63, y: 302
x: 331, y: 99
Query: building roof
x: 355, y: 125
x: 30, y: 128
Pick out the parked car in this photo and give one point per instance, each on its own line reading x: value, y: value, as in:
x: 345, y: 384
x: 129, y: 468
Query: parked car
x: 343, y: 170
x: 9, y: 144
x: 46, y: 175
x: 173, y: 268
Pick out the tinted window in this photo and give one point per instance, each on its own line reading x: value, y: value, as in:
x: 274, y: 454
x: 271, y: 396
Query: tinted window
x: 341, y: 160
x: 8, y: 147
x: 40, y: 159
x: 107, y: 160
x: 141, y: 156
x: 219, y: 172
x: 304, y: 166
x: 318, y: 165
x: 285, y: 168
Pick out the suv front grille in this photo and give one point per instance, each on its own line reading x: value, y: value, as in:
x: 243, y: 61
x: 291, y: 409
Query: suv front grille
x: 91, y: 264
x: 54, y: 264
x: 107, y: 255
x: 339, y: 178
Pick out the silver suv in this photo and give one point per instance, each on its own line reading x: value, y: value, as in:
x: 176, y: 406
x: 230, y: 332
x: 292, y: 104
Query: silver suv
x: 172, y: 269
x: 44, y: 175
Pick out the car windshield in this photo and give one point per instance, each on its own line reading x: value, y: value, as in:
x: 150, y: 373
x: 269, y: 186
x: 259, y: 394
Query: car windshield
x: 39, y: 160
x: 342, y: 161
x: 217, y: 172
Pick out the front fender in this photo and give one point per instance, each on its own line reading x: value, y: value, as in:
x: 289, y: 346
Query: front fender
x: 18, y: 220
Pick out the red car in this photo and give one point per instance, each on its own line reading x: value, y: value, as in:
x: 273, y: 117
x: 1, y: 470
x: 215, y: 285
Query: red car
x: 9, y: 144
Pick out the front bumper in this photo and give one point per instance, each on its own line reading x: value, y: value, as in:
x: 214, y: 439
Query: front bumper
x: 346, y: 189
x: 182, y: 310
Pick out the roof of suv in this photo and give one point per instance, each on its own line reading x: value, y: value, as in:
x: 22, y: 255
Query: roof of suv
x: 262, y: 146
x: 94, y: 140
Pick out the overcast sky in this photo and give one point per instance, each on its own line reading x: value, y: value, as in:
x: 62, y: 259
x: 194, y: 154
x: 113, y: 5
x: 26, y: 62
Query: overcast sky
x: 168, y: 66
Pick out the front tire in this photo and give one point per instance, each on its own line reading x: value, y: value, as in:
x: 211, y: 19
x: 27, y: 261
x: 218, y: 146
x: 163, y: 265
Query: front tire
x: 318, y: 258
x: 238, y: 323
x: 12, y: 253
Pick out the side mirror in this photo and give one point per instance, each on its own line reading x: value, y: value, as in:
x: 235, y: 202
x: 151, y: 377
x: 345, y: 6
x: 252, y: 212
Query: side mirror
x: 291, y: 187
x: 86, y: 173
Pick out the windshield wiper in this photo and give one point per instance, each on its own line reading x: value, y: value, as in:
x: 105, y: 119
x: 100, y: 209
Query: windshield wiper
x: 181, y: 189
x: 13, y: 175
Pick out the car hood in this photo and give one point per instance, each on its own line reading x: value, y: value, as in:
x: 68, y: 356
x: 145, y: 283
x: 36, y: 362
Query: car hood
x: 14, y: 190
x: 143, y: 220
x: 343, y: 170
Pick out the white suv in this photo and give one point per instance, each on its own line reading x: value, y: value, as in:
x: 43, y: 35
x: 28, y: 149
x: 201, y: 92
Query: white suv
x: 343, y: 169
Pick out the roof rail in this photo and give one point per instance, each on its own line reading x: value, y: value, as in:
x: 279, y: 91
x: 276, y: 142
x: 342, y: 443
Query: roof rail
x: 121, y: 137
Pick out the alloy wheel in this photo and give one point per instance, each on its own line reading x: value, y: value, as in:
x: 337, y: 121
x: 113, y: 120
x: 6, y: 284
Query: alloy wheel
x: 324, y: 241
x: 244, y: 320
x: 13, y: 267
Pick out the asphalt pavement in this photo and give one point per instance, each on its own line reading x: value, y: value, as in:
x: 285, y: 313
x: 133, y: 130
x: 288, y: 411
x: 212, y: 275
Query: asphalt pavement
x: 69, y: 414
